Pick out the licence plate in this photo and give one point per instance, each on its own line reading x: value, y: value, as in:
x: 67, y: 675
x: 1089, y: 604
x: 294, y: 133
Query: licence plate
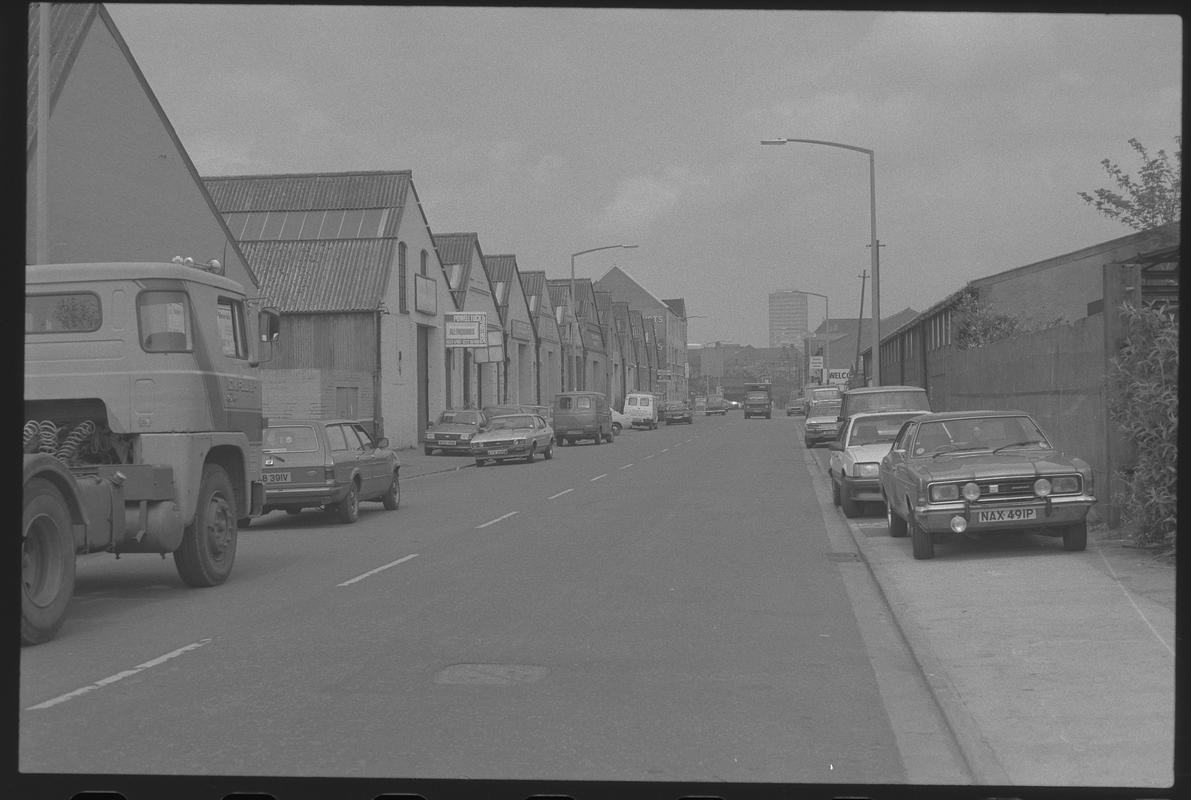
x: 501, y: 452
x: 276, y: 477
x: 1006, y: 515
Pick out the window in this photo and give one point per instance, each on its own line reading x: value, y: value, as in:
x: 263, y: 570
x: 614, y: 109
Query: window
x: 365, y: 439
x: 252, y: 227
x: 402, y: 305
x: 56, y: 313
x: 292, y: 225
x: 352, y: 437
x: 164, y: 321
x: 291, y: 439
x: 370, y: 228
x: 232, y: 334
x: 336, y: 439
x: 425, y: 266
x: 347, y: 401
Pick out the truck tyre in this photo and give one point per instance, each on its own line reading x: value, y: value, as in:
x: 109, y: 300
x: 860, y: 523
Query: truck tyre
x: 1075, y: 536
x: 348, y: 509
x: 209, y: 543
x: 616, y: 428
x: 897, y: 525
x: 922, y: 540
x: 47, y: 561
x: 392, y: 498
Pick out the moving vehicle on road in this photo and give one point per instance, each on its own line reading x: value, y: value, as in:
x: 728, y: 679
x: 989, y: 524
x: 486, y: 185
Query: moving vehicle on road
x: 332, y: 464
x: 513, y: 436
x: 733, y: 405
x: 452, y: 432
x: 976, y: 472
x: 797, y: 405
x: 758, y: 400
x: 716, y: 405
x: 583, y: 415
x: 822, y: 422
x: 642, y: 409
x: 678, y: 411
x: 856, y: 455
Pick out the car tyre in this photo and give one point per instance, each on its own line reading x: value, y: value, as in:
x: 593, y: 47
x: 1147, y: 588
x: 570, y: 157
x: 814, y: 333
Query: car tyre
x: 428, y: 451
x: 529, y: 457
x: 897, y: 525
x: 480, y: 462
x: 922, y: 540
x: 834, y: 492
x: 548, y: 453
x: 391, y: 499
x: 599, y: 436
x: 348, y: 509
x: 1075, y: 536
x: 809, y: 444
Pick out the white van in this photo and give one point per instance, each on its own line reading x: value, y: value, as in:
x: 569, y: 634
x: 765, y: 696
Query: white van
x: 642, y: 409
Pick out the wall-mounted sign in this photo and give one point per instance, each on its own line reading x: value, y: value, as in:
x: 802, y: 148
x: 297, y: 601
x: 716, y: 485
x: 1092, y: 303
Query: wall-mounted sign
x: 521, y: 330
x: 466, y: 329
x: 425, y: 294
x: 494, y: 352
x: 838, y: 375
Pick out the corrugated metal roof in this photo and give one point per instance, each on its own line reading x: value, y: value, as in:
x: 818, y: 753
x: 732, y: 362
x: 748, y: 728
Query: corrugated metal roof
x: 69, y: 23
x: 311, y: 192
x: 502, y: 269
x: 457, y: 248
x: 321, y: 275
x: 678, y: 306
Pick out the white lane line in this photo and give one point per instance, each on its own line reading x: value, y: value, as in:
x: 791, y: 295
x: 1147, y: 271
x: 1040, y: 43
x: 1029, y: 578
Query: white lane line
x: 597, y: 477
x: 665, y: 449
x: 560, y: 494
x: 651, y: 455
x: 498, y: 519
x: 378, y: 569
x: 676, y: 444
x: 119, y: 676
x: 626, y: 466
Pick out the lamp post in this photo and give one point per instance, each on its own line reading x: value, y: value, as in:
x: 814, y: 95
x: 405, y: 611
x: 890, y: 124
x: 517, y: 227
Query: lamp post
x: 571, y: 299
x: 876, y: 258
x: 827, y: 326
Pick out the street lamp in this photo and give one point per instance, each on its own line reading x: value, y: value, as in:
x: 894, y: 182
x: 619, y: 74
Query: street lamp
x: 876, y: 259
x: 827, y: 331
x: 571, y: 299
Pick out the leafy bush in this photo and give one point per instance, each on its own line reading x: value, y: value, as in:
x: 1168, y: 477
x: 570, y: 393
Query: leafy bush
x: 1145, y: 404
x: 977, y: 326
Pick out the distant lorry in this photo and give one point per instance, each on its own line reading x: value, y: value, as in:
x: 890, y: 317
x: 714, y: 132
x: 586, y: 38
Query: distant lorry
x: 142, y: 433
x: 758, y: 400
x: 715, y: 405
x: 700, y: 404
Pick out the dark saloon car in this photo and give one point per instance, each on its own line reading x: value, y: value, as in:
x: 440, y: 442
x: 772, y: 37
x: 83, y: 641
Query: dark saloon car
x: 453, y: 431
x: 976, y: 472
x: 330, y: 464
x: 678, y: 411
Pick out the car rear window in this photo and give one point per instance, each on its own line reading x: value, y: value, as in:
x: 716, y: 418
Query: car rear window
x: 900, y: 400
x: 291, y: 439
x: 457, y: 417
x: 825, y: 408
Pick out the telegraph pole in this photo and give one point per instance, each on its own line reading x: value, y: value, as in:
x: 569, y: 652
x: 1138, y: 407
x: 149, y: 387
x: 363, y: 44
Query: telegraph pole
x: 859, y: 325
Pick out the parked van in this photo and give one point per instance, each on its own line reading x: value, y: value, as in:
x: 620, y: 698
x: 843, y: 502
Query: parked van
x: 642, y: 409
x: 582, y: 415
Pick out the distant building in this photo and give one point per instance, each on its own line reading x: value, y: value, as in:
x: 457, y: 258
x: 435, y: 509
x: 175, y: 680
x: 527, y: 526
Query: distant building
x: 789, y: 322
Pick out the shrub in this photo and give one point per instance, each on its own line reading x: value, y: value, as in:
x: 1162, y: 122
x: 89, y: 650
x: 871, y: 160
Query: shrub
x: 1144, y: 402
x: 977, y: 326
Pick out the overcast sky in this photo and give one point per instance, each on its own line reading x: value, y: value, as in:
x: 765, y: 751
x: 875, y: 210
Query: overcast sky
x: 550, y: 131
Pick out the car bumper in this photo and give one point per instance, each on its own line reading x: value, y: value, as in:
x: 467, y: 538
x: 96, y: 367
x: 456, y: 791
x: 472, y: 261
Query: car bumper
x: 449, y: 446
x: 821, y: 435
x: 279, y: 496
x: 1055, y: 512
x: 861, y: 490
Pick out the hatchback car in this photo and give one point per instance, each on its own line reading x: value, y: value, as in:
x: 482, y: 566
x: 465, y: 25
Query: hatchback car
x: 856, y: 458
x: 513, y: 436
x: 976, y: 472
x: 678, y: 411
x: 452, y: 432
x: 822, y: 422
x: 328, y: 464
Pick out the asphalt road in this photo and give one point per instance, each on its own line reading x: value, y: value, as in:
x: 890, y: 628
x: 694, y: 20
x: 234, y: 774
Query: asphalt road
x: 677, y: 606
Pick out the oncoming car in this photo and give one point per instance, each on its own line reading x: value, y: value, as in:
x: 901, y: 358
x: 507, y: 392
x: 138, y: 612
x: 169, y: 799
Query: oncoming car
x: 856, y: 458
x: 975, y: 472
x: 329, y: 464
x: 513, y: 436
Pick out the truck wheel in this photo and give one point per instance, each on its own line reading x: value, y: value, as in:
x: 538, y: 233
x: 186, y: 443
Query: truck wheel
x: 209, y: 543
x: 392, y: 498
x: 897, y: 525
x: 47, y: 562
x: 616, y: 428
x: 922, y: 540
x: 1075, y: 536
x: 348, y: 509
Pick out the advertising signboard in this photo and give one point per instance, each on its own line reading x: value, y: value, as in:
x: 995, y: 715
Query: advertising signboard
x: 838, y: 375
x: 466, y: 329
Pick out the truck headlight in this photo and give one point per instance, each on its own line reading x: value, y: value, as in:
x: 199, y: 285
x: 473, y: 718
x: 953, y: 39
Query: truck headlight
x: 867, y: 470
x: 942, y: 492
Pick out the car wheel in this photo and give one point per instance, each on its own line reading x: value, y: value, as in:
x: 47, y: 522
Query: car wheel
x: 851, y: 507
x: 897, y: 525
x: 809, y: 444
x: 616, y: 428
x: 611, y: 435
x: 429, y: 451
x: 479, y: 462
x: 1075, y: 536
x: 392, y: 498
x: 549, y: 451
x: 834, y: 492
x: 599, y: 437
x: 348, y: 509
x: 923, y: 541
x: 529, y: 457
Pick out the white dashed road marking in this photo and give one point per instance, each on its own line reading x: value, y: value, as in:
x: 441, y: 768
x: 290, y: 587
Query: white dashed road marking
x: 498, y: 519
x: 371, y: 572
x: 560, y: 494
x: 119, y: 676
x: 597, y: 477
x: 626, y: 466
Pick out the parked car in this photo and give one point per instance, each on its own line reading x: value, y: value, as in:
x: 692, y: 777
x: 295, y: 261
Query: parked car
x: 856, y: 455
x: 512, y: 436
x: 329, y: 464
x: 642, y: 409
x: 498, y: 411
x: 678, y: 411
x: 974, y: 472
x: 452, y: 432
x: 822, y: 422
x: 796, y: 406
x: 884, y: 398
x: 582, y: 415
x: 620, y: 422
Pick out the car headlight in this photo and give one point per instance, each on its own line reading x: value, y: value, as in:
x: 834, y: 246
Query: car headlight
x: 971, y: 492
x: 1042, y: 487
x: 868, y: 470
x: 519, y: 441
x: 465, y: 437
x: 942, y: 492
x: 1066, y: 484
